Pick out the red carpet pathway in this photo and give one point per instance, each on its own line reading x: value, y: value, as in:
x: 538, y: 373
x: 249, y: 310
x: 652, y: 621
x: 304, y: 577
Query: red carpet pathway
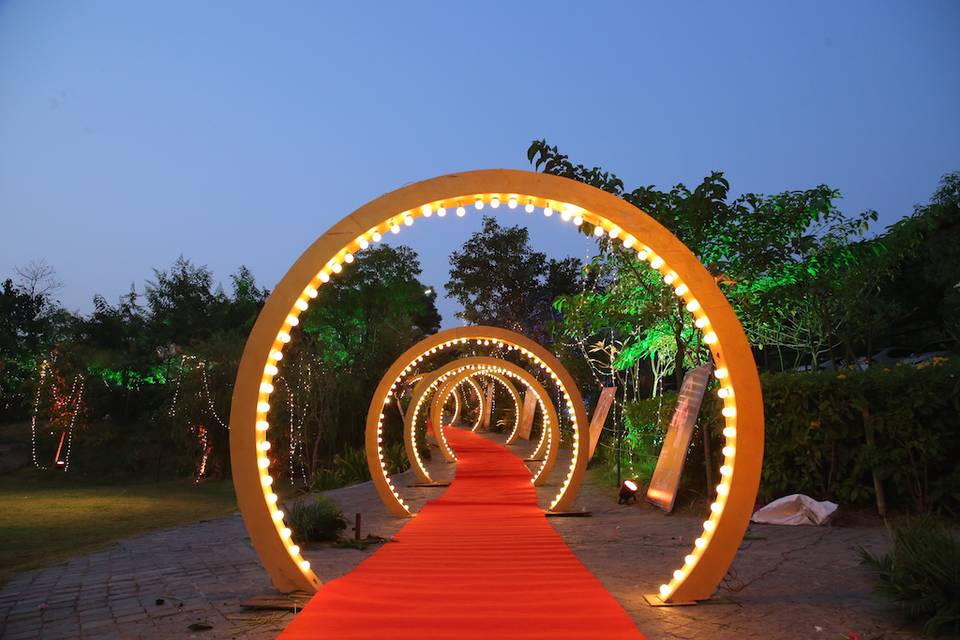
x: 479, y: 562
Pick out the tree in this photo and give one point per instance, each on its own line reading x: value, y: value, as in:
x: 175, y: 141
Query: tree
x: 772, y: 256
x: 501, y: 281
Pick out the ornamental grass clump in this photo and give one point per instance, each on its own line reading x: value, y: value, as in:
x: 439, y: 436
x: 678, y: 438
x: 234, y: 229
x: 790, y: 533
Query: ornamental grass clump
x: 921, y: 574
x: 317, y: 521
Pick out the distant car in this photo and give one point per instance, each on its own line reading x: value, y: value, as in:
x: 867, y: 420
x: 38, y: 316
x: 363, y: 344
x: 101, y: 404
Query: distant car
x: 885, y: 357
x: 929, y: 352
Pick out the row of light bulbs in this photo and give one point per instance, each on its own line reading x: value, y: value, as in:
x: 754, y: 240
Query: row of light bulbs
x: 568, y: 212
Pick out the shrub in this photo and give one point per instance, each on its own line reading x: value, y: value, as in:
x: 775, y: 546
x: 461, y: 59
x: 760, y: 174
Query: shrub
x: 921, y: 575
x: 395, y: 455
x: 352, y: 466
x: 320, y: 520
x: 816, y: 434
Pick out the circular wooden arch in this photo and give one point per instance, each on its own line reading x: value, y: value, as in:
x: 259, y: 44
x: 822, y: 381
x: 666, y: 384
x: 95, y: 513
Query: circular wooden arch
x: 536, y: 356
x: 549, y: 444
x: 449, y: 376
x: 707, y: 562
x: 504, y: 381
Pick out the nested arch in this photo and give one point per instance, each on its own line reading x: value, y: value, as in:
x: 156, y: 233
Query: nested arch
x: 512, y: 192
x: 534, y: 354
x: 449, y: 390
x: 465, y: 368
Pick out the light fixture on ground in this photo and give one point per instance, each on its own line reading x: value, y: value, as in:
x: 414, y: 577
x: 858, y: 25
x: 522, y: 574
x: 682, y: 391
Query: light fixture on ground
x: 628, y: 492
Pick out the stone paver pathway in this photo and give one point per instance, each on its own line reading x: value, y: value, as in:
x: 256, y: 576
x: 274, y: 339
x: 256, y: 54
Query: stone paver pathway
x: 787, y: 582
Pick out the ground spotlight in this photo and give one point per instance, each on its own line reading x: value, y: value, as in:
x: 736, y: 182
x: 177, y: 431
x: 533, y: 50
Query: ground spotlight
x: 628, y: 492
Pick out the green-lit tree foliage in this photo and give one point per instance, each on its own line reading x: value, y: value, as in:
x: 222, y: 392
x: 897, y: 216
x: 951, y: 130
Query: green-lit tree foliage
x: 778, y: 258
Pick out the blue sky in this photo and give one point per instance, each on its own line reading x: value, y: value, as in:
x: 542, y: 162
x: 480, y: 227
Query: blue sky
x: 236, y: 132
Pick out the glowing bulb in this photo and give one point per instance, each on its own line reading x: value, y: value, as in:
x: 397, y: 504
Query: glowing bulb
x: 294, y: 549
x: 722, y: 392
x: 565, y: 215
x: 348, y: 258
x: 682, y: 289
x: 710, y: 338
x: 720, y: 373
x: 266, y: 481
x: 728, y: 412
x: 726, y: 470
x: 615, y: 232
x: 441, y: 212
x: 722, y: 489
x: 598, y: 231
x: 678, y: 575
x: 709, y: 525
x: 263, y: 407
x: 283, y: 337
x: 264, y: 446
x: 263, y: 463
x: 578, y: 220
x: 529, y: 208
x: 276, y: 355
x: 729, y: 432
x: 395, y: 228
x: 699, y: 543
x: 495, y: 202
x: 407, y: 220
x: 512, y: 203
x: 716, y: 508
x: 285, y: 532
x: 362, y: 243
x: 461, y: 212
x: 376, y: 236
x: 270, y: 370
x: 689, y: 560
x: 701, y: 322
x: 293, y: 321
x: 304, y: 565
x: 262, y: 425
x: 324, y: 276
x: 311, y: 293
x: 301, y: 304
x: 629, y: 241
x: 547, y: 211
x: 427, y: 210
x: 478, y: 204
x: 277, y: 515
x: 664, y: 590
x: 669, y: 278
x: 266, y: 387
x: 693, y: 305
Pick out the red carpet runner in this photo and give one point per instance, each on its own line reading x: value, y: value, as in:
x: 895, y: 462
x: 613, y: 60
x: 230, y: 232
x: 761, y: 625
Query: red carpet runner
x: 479, y: 562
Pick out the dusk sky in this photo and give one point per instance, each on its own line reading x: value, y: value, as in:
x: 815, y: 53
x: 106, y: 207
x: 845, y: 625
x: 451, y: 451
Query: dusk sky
x: 237, y: 132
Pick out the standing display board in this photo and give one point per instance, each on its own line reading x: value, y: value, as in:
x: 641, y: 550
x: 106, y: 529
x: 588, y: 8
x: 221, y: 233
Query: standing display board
x: 662, y: 491
x: 526, y: 416
x: 607, y: 395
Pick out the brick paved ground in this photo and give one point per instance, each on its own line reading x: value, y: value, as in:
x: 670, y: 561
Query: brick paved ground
x: 800, y: 582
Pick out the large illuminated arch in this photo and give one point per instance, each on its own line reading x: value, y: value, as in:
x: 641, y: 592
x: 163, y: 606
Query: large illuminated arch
x: 537, y: 357
x: 449, y: 376
x: 512, y: 192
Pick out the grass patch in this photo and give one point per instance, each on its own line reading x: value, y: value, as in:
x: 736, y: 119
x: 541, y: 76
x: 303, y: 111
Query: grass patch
x: 48, y: 517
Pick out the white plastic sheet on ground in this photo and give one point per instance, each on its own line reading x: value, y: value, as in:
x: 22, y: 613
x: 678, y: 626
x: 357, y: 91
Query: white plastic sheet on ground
x: 796, y: 509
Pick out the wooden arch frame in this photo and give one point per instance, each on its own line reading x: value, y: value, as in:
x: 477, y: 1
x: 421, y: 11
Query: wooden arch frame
x: 449, y: 376
x: 713, y: 551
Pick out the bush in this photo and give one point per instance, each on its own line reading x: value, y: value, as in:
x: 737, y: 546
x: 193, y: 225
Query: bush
x: 816, y: 439
x: 317, y: 521
x: 921, y: 575
x: 395, y: 455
